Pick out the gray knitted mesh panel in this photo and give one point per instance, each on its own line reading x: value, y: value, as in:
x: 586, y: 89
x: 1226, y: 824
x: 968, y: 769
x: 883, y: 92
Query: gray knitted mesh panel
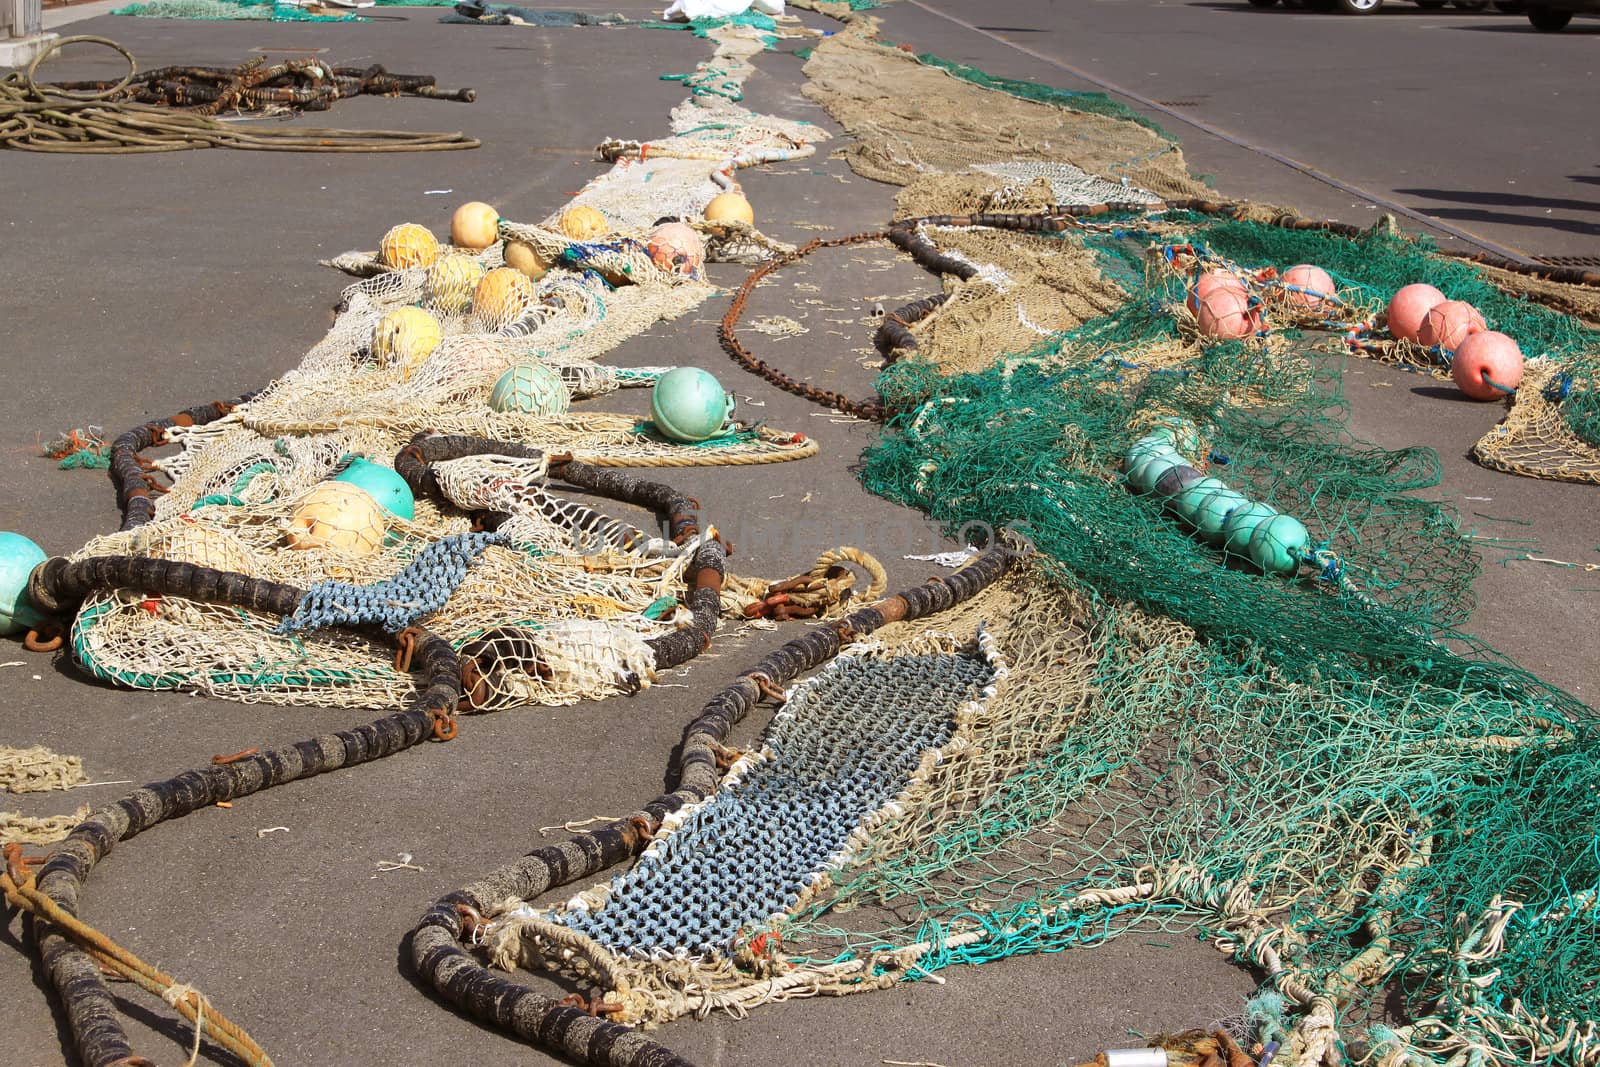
x: 844, y: 745
x: 1071, y: 185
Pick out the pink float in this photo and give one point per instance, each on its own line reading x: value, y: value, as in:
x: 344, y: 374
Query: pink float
x: 1211, y: 281
x: 1448, y: 324
x: 1307, y: 285
x: 1408, y: 308
x: 676, y: 247
x: 1226, y: 313
x: 1485, y: 360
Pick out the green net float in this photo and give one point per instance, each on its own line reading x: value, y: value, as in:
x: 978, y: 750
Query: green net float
x: 1145, y: 447
x: 688, y: 404
x: 1279, y: 544
x: 1242, y: 522
x: 531, y: 388
x: 1177, y: 479
x: 1144, y: 474
x: 383, y: 485
x: 1180, y: 433
x: 1186, y: 504
x: 1211, y: 514
x: 18, y: 557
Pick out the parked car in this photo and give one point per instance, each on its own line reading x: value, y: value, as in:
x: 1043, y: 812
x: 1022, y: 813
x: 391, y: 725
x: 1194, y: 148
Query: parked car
x: 1368, y: 7
x: 1552, y: 16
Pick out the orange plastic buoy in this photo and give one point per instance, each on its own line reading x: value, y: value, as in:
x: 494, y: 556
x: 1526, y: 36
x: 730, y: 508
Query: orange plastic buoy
x: 730, y: 207
x: 503, y: 296
x: 1448, y: 324
x: 520, y: 255
x: 408, y: 245
x: 1307, y: 285
x: 1226, y: 313
x: 1211, y: 280
x: 1485, y: 360
x: 474, y: 225
x: 1409, y: 307
x: 580, y: 222
x: 675, y: 247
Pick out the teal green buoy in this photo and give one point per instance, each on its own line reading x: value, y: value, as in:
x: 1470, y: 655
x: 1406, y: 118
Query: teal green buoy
x: 383, y: 485
x: 1144, y: 474
x: 688, y: 404
x: 1242, y: 522
x: 1145, y: 447
x: 531, y: 388
x: 1279, y: 544
x: 1187, y: 502
x: 18, y: 557
x: 1211, y: 514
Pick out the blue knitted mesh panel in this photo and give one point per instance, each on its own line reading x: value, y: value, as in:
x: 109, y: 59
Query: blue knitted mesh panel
x: 844, y: 745
x: 421, y: 589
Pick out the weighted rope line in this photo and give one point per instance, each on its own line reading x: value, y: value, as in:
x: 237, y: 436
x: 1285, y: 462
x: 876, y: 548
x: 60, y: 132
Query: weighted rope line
x: 561, y: 1028
x: 102, y: 120
x: 894, y: 334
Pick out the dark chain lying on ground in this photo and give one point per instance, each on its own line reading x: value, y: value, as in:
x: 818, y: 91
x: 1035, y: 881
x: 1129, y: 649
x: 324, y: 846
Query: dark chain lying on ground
x: 175, y: 108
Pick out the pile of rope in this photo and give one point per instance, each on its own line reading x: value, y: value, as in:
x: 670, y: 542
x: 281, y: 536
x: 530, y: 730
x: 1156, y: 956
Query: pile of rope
x: 175, y: 108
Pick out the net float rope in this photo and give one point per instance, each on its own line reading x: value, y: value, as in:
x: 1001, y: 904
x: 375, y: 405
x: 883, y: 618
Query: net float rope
x: 69, y: 957
x: 894, y: 334
x: 132, y: 475
x: 562, y: 1028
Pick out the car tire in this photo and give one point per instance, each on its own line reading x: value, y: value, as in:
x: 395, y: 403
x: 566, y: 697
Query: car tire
x: 1360, y: 7
x: 1546, y: 21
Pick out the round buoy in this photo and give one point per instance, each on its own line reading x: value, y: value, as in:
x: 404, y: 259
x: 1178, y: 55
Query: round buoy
x: 405, y: 337
x: 1211, y: 512
x: 520, y: 255
x: 1225, y: 313
x: 503, y: 296
x: 1279, y: 544
x: 18, y: 557
x: 337, y: 516
x: 689, y: 404
x: 583, y: 223
x: 475, y: 225
x: 1409, y: 307
x: 730, y: 207
x: 449, y: 283
x: 1485, y: 361
x: 204, y: 546
x: 532, y: 388
x: 1446, y: 325
x: 408, y: 245
x: 1176, y: 479
x: 675, y: 247
x: 1241, y: 524
x: 1186, y: 504
x: 383, y: 484
x: 1149, y: 468
x: 1306, y: 285
x: 1211, y: 281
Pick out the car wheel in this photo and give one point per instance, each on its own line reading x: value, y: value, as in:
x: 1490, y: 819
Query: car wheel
x: 1360, y: 7
x: 1546, y: 21
x: 1263, y: 3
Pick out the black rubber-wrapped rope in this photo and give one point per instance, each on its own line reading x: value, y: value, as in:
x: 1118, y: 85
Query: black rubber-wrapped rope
x: 458, y: 976
x: 90, y: 1008
x: 895, y: 336
x: 415, y: 461
x: 128, y: 475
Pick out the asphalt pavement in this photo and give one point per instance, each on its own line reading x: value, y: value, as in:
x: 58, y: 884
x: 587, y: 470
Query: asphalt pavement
x: 134, y: 286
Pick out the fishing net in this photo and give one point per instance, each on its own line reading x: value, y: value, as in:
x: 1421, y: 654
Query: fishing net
x: 562, y: 600
x: 911, y: 118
